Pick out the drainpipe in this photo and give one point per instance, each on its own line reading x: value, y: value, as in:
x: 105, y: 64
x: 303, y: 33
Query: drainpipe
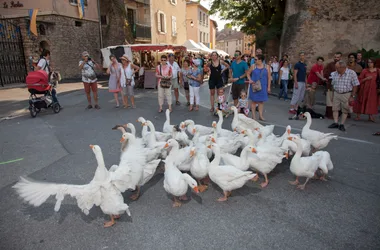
x: 100, y: 26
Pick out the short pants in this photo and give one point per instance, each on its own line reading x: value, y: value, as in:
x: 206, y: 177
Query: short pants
x: 236, y: 90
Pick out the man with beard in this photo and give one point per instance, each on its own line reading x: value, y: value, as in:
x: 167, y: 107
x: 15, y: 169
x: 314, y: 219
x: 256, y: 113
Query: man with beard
x: 353, y: 65
x: 330, y: 67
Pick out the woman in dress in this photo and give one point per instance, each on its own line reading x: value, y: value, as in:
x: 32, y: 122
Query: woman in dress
x: 114, y: 70
x: 127, y: 80
x: 262, y: 73
x: 215, y: 80
x: 367, y: 99
x: 184, y: 80
x: 164, y: 70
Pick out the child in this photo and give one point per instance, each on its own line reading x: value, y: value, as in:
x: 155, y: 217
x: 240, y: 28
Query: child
x: 222, y: 102
x: 243, y: 103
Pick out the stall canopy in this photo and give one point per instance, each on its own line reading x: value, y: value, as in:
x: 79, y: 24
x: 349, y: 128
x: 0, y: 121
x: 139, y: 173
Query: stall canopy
x: 205, y: 48
x: 193, y: 46
x: 120, y: 50
x: 221, y: 52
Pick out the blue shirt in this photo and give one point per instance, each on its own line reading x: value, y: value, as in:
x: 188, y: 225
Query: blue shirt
x: 239, y: 69
x: 192, y: 82
x: 301, y: 73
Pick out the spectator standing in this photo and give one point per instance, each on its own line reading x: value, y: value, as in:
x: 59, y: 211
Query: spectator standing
x: 315, y: 76
x: 164, y: 71
x: 195, y: 81
x: 353, y: 65
x: 330, y: 68
x: 175, y: 69
x: 367, y: 100
x: 184, y: 80
x: 275, y: 66
x: 90, y: 82
x: 345, y: 84
x: 360, y: 61
x: 238, y: 73
x: 127, y: 81
x: 299, y: 83
x: 114, y: 86
x: 284, y: 79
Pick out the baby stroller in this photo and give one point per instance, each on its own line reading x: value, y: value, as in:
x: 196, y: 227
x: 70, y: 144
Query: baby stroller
x: 38, y: 84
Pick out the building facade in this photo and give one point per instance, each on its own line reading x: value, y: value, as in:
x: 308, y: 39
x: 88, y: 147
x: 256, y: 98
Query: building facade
x: 60, y: 30
x: 230, y: 40
x: 198, y: 15
x: 249, y: 45
x: 213, y: 30
x: 168, y: 22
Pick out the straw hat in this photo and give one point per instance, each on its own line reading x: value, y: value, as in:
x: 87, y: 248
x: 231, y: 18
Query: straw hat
x: 85, y: 53
x: 125, y: 57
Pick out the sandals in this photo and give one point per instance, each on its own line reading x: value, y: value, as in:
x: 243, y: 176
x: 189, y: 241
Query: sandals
x: 160, y: 111
x: 89, y: 107
x: 212, y: 109
x: 97, y: 106
x: 177, y: 103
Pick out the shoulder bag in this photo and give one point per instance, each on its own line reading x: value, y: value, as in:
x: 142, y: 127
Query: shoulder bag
x: 256, y: 87
x: 165, y: 82
x: 128, y: 82
x: 92, y: 75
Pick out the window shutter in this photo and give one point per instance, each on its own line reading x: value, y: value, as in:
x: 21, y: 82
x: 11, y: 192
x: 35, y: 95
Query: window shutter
x: 158, y: 21
x: 174, y: 26
x: 165, y: 24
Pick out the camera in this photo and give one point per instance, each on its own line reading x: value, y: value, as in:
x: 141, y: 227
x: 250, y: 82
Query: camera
x: 89, y: 58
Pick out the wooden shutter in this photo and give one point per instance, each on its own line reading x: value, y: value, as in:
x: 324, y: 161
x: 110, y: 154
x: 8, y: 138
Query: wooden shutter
x: 158, y: 21
x: 165, y: 31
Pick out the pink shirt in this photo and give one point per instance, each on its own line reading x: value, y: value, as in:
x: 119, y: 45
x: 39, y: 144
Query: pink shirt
x: 165, y: 71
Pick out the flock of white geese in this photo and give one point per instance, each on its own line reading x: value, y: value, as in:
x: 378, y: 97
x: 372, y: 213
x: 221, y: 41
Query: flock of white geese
x: 187, y: 162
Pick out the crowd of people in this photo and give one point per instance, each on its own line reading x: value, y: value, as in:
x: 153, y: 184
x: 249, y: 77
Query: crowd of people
x: 351, y: 87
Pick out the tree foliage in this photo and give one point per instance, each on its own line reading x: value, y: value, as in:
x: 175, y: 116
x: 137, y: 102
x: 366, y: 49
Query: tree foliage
x: 264, y: 18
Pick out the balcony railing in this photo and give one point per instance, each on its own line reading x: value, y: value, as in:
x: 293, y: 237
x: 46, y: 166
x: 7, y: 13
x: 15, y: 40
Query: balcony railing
x: 142, y: 31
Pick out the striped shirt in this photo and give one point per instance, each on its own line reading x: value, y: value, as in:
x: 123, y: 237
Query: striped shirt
x: 344, y: 83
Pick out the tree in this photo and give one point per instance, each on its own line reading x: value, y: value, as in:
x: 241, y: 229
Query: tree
x: 263, y: 18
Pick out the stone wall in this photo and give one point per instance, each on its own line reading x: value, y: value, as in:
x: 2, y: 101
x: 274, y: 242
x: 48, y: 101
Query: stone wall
x: 64, y: 39
x: 322, y: 27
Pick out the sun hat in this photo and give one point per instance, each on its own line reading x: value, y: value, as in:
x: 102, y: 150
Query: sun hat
x: 125, y: 57
x: 85, y: 53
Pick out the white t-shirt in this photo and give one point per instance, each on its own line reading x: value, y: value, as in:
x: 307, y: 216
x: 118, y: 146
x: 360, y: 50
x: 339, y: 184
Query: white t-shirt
x: 44, y: 65
x: 127, y: 72
x: 175, y: 69
x: 285, y: 73
x: 88, y: 71
x: 275, y: 67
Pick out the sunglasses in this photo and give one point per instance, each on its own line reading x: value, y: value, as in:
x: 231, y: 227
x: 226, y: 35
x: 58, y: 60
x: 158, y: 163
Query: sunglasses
x: 163, y: 60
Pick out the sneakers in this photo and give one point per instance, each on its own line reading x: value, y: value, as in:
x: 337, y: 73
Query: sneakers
x: 342, y: 128
x: 334, y: 125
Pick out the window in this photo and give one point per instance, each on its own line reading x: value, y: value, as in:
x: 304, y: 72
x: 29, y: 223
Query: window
x: 103, y: 20
x: 204, y: 19
x: 200, y: 36
x: 204, y: 37
x: 207, y: 38
x: 75, y: 2
x: 239, y: 41
x: 174, y: 2
x: 161, y: 22
x: 236, y: 42
x: 174, y: 26
x: 78, y: 24
x: 227, y: 45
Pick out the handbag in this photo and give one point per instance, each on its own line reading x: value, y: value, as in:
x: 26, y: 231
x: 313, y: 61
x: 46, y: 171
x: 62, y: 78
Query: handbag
x: 257, y: 85
x: 128, y: 82
x: 91, y: 76
x: 164, y: 83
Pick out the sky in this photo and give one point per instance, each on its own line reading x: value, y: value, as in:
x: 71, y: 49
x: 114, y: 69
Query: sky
x: 221, y: 23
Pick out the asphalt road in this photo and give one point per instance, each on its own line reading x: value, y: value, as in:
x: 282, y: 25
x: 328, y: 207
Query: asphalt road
x: 342, y: 213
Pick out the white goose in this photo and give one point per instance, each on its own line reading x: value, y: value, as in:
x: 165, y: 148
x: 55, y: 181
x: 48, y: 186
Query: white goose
x: 292, y: 146
x: 167, y: 127
x: 103, y: 190
x: 160, y: 136
x: 199, y: 167
x: 227, y: 177
x: 317, y: 139
x: 243, y: 121
x: 176, y: 183
x: 220, y: 130
x: 303, y: 166
x: 227, y: 144
x: 179, y: 157
x: 180, y: 135
x: 239, y: 162
x: 154, y: 145
x: 135, y: 157
x: 201, y: 145
x: 203, y: 130
x: 325, y: 163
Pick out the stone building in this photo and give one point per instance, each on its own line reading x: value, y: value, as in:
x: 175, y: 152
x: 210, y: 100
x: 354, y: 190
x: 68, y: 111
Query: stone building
x: 59, y: 30
x: 198, y: 14
x: 230, y: 40
x: 213, y: 30
x: 320, y: 28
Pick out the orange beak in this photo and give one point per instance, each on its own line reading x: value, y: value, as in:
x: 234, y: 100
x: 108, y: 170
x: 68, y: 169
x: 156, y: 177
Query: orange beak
x: 196, y: 190
x: 213, y: 140
x: 192, y: 153
x: 166, y: 145
x: 290, y: 138
x: 235, y: 129
x: 243, y: 132
x: 137, y: 120
x: 260, y: 136
x: 257, y: 129
x: 254, y: 150
x: 122, y: 139
x: 209, y: 146
x: 91, y: 146
x: 194, y: 130
x: 183, y: 126
x: 288, y: 131
x: 143, y: 124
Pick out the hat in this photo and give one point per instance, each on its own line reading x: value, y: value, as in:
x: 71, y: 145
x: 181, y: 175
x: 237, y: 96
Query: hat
x: 85, y: 53
x: 196, y: 62
x: 125, y: 57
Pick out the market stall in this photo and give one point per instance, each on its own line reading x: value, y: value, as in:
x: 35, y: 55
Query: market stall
x: 146, y: 56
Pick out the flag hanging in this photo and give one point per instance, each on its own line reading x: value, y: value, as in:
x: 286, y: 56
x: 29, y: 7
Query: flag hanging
x: 33, y: 21
x: 81, y: 8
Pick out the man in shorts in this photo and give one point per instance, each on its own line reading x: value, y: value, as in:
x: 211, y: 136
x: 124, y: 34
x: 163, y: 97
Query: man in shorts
x: 175, y: 69
x: 238, y: 74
